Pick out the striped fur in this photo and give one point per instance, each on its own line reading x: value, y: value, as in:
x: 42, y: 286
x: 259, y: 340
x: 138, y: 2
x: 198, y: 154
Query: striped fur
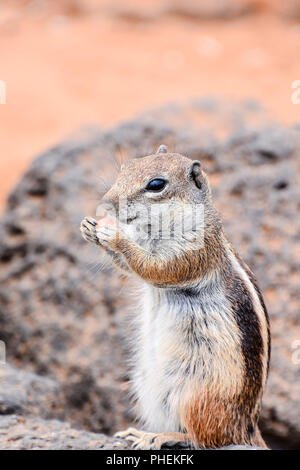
x: 202, y: 345
x: 201, y: 360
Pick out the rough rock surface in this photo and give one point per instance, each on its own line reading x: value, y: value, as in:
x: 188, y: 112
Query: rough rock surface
x: 151, y: 11
x: 63, y: 311
x: 25, y: 393
x: 35, y: 433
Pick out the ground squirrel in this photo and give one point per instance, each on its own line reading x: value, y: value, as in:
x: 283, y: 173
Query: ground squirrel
x: 202, y: 346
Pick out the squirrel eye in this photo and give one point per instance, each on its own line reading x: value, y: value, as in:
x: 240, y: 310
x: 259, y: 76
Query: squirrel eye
x: 156, y: 184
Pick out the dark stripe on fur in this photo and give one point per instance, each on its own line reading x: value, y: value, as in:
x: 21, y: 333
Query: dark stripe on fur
x: 255, y: 285
x: 251, y: 343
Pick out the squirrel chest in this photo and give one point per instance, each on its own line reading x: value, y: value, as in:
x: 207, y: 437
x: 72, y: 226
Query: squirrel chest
x: 187, y: 341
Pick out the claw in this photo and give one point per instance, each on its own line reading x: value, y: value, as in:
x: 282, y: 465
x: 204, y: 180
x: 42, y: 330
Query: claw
x: 91, y: 221
x: 88, y: 228
x: 129, y: 433
x: 104, y: 235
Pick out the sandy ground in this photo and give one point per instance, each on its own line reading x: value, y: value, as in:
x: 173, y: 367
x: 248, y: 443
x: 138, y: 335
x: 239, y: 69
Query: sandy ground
x: 62, y: 72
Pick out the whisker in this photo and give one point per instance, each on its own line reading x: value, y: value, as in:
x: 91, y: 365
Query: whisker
x: 94, y: 268
x: 104, y: 183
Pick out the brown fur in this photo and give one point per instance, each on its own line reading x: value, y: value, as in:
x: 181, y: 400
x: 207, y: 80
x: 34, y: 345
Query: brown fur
x: 213, y: 421
x: 179, y: 269
x: 220, y: 413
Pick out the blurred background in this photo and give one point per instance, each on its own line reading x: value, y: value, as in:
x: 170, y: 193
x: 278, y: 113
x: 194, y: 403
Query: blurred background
x: 72, y: 62
x: 89, y: 83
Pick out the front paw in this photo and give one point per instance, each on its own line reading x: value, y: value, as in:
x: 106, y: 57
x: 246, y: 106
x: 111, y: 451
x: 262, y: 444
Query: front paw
x: 88, y: 230
x: 104, y: 233
x: 108, y: 234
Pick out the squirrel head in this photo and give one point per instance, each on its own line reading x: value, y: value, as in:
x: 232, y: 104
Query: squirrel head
x: 160, y: 177
x: 164, y: 184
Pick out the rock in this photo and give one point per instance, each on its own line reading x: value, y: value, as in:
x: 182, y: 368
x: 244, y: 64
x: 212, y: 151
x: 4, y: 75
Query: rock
x: 270, y: 144
x: 18, y: 433
x: 188, y: 10
x: 64, y: 309
x: 24, y: 393
x: 215, y: 9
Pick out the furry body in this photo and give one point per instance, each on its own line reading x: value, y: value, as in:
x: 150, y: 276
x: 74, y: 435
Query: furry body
x: 202, y: 341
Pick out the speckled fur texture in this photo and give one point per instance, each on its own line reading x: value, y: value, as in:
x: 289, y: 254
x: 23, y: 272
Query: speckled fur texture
x: 202, y: 344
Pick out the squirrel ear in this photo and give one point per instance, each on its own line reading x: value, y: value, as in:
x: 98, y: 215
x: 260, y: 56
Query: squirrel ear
x: 162, y: 149
x: 195, y: 172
